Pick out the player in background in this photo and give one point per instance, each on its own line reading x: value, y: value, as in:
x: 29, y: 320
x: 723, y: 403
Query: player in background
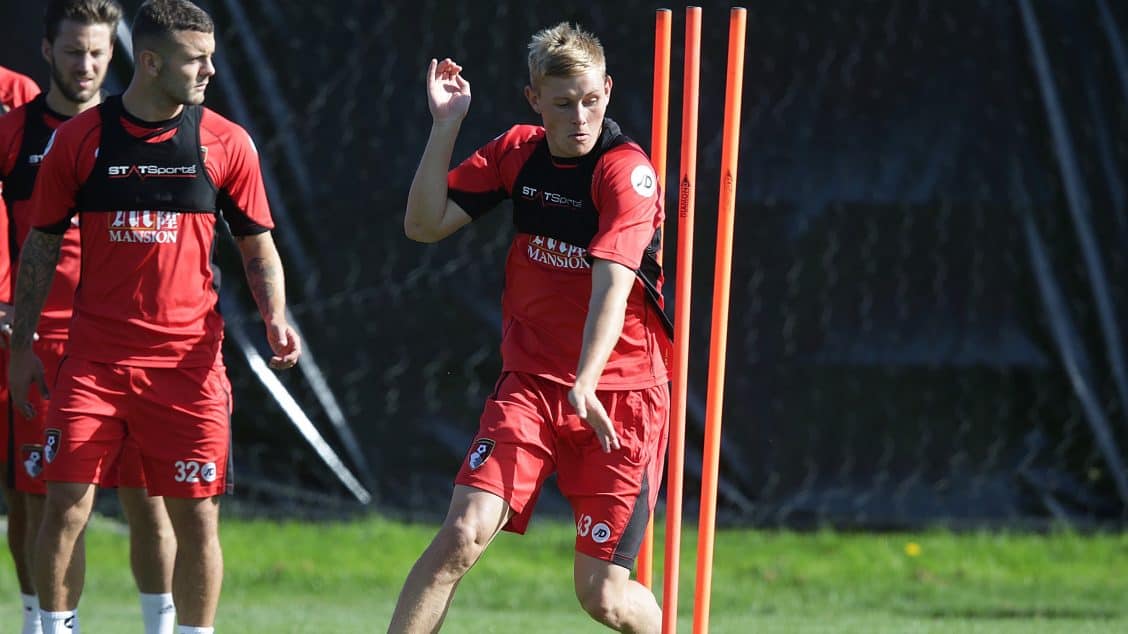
x: 16, y: 89
x: 145, y: 172
x: 583, y: 390
x: 77, y: 45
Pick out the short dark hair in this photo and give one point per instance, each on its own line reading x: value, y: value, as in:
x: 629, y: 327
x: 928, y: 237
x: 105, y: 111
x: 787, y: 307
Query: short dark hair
x: 82, y: 11
x: 159, y: 19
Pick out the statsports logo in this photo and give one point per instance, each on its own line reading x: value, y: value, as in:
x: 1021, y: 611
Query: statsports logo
x: 152, y: 171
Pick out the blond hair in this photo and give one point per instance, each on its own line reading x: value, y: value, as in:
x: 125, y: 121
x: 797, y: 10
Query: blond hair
x: 564, y: 50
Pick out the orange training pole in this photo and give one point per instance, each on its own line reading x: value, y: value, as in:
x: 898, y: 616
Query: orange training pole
x: 660, y: 109
x: 719, y: 333
x: 680, y: 370
x: 660, y: 114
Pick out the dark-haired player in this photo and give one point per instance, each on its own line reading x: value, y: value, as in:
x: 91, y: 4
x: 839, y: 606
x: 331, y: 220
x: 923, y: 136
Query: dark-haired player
x: 146, y: 173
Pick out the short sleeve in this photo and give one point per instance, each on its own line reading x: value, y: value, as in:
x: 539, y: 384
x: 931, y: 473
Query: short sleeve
x: 58, y: 182
x: 476, y: 184
x: 626, y: 195
x: 242, y: 196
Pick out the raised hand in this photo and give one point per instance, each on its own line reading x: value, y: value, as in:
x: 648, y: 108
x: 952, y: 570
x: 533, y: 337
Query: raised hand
x: 448, y: 92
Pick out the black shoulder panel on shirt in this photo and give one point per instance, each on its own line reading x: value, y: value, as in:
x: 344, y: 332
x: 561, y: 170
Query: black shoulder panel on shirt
x: 552, y: 198
x: 476, y: 204
x: 132, y: 173
x: 19, y: 184
x: 237, y: 219
x: 57, y: 229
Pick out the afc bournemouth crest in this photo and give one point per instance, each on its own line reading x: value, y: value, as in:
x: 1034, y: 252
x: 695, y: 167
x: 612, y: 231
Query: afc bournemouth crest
x: 33, y: 460
x: 51, y: 444
x: 483, y: 447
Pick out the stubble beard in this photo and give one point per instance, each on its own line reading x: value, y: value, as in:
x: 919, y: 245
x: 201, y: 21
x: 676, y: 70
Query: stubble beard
x: 73, y: 96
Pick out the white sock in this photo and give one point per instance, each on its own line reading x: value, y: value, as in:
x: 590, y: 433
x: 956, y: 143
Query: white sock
x: 158, y: 612
x: 188, y: 629
x: 31, y: 624
x: 65, y: 622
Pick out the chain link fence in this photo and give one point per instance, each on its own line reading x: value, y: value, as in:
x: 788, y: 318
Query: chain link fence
x: 920, y: 329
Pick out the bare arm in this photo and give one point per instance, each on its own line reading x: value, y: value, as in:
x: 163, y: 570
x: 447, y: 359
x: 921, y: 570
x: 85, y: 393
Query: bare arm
x: 611, y: 284
x: 38, y: 260
x: 263, y: 268
x: 431, y: 216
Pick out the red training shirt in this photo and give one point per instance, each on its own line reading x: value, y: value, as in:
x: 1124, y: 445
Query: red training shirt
x: 548, y: 281
x: 146, y: 295
x: 15, y: 89
x: 55, y: 318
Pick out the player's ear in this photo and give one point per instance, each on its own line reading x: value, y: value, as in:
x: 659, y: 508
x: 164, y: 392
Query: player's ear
x: 45, y: 48
x: 607, y: 87
x: 534, y: 99
x: 149, y: 62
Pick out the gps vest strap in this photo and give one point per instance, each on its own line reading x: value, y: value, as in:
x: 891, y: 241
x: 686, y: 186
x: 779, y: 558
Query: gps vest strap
x: 19, y: 184
x: 578, y: 226
x: 131, y: 173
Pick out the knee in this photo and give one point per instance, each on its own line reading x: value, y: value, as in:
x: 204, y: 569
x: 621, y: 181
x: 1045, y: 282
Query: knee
x: 149, y: 519
x: 460, y: 544
x: 601, y: 602
x: 194, y: 522
x: 66, y: 509
x: 152, y: 529
x: 70, y: 519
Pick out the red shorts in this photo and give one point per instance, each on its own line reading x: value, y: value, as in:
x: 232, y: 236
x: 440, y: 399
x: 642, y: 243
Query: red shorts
x: 528, y: 430
x: 179, y: 418
x: 130, y: 471
x: 28, y: 435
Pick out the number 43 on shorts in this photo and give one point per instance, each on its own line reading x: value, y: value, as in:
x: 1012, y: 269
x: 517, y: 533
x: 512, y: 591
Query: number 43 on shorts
x: 600, y: 532
x: 193, y: 471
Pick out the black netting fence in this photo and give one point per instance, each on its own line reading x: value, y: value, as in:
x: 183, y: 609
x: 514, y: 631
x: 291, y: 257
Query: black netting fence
x: 928, y: 284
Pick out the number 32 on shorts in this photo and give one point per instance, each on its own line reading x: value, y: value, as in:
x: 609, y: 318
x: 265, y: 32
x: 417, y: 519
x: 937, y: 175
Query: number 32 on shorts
x: 192, y: 471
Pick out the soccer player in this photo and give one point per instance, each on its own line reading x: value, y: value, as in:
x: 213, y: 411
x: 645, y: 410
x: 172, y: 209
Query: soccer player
x: 77, y: 46
x: 146, y: 173
x: 15, y: 89
x: 583, y: 388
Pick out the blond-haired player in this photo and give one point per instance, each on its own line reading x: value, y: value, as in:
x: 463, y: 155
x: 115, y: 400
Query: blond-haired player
x: 583, y: 390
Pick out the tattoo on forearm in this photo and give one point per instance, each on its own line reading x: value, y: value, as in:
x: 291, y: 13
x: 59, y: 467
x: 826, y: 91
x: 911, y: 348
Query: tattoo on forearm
x: 264, y: 277
x: 38, y: 259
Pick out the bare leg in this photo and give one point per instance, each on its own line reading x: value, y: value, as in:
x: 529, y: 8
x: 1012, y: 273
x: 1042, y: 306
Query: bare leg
x: 611, y: 597
x: 475, y: 517
x: 198, y: 574
x: 152, y: 543
x: 60, y: 555
x: 35, y: 504
x: 20, y: 541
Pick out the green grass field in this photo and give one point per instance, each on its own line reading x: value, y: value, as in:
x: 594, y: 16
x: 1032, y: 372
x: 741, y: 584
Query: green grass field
x: 344, y: 577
